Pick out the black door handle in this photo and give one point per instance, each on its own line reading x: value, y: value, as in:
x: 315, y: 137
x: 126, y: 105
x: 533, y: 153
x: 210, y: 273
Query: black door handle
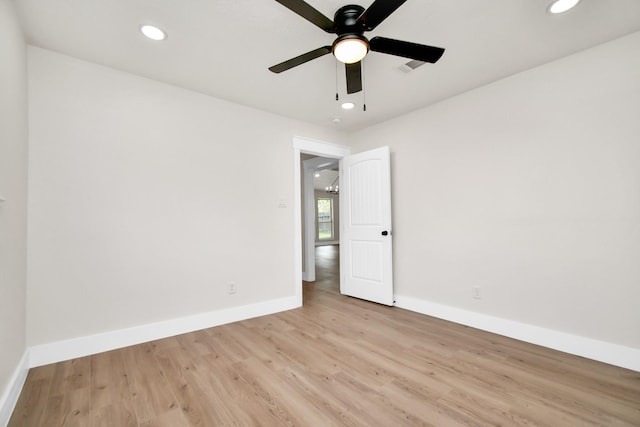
x: 385, y: 232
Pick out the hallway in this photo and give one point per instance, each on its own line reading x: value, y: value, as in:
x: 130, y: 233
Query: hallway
x: 327, y: 273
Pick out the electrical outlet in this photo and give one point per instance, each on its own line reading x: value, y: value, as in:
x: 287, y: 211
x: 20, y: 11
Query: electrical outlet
x: 231, y: 288
x: 475, y: 291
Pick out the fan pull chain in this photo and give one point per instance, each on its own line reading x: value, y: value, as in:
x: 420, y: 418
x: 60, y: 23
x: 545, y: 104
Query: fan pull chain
x: 337, y: 97
x: 364, y: 89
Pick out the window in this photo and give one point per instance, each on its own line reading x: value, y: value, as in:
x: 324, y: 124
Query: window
x: 325, y: 219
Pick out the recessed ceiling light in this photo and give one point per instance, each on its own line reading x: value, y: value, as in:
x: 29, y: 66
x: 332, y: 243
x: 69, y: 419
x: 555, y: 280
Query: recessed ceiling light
x: 336, y: 120
x: 348, y: 105
x: 154, y: 33
x: 559, y: 6
x: 317, y: 174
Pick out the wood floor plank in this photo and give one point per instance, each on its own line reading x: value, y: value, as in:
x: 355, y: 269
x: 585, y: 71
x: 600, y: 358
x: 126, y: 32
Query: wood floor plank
x: 384, y: 410
x: 112, y: 415
x: 224, y: 344
x: 272, y: 389
x: 151, y: 395
x: 336, y: 361
x: 303, y: 351
x: 239, y: 399
x: 314, y: 390
x: 187, y: 375
x: 111, y: 399
x: 198, y: 343
x: 70, y: 408
x: 259, y: 343
x: 30, y: 406
x: 269, y: 323
x: 171, y: 418
x: 68, y: 400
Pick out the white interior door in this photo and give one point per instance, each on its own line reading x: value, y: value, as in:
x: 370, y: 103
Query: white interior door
x: 365, y: 238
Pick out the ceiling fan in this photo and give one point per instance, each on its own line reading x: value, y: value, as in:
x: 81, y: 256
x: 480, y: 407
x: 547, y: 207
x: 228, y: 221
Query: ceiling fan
x: 351, y: 46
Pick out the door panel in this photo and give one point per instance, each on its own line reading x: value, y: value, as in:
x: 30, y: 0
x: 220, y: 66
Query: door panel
x: 365, y: 201
x: 364, y: 261
x: 365, y: 204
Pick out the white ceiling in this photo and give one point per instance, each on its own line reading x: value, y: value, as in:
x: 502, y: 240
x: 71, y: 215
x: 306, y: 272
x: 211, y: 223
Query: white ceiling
x: 224, y: 47
x: 325, y: 179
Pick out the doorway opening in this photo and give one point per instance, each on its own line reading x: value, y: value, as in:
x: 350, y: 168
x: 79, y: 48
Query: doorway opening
x: 309, y: 157
x: 366, y: 266
x: 327, y: 274
x: 322, y: 222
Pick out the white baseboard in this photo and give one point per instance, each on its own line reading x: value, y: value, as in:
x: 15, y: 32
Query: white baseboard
x: 614, y: 354
x: 10, y: 396
x: 45, y: 354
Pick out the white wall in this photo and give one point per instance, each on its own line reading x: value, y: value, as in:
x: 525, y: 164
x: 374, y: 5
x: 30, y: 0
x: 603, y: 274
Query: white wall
x: 530, y: 189
x: 146, y: 200
x: 13, y: 187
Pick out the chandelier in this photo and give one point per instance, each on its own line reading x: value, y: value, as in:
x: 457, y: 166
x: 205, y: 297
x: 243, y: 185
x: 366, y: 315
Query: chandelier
x: 333, y: 188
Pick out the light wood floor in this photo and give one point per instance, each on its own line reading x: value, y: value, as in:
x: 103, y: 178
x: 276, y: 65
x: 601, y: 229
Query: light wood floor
x: 336, y: 361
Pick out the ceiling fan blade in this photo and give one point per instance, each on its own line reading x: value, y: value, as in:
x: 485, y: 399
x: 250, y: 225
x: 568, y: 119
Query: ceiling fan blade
x: 309, y: 13
x: 354, y: 77
x: 378, y: 12
x: 299, y: 60
x: 409, y: 50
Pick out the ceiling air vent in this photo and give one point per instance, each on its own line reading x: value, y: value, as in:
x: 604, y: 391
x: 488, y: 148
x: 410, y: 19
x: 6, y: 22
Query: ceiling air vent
x: 411, y: 65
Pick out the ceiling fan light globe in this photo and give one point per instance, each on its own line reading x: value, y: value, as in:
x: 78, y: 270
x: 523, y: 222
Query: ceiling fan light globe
x: 350, y: 50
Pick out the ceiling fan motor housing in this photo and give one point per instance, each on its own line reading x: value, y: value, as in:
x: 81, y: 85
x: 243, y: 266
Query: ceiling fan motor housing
x: 346, y: 20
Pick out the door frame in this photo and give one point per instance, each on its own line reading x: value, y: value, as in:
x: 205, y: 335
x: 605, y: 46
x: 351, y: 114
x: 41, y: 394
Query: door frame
x: 322, y: 149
